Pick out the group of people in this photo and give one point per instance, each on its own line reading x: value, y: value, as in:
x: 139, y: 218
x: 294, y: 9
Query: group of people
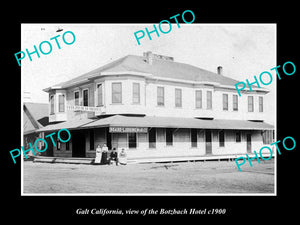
x: 104, y: 156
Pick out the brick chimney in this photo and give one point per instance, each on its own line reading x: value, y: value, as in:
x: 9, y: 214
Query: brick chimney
x: 149, y: 57
x: 220, y: 70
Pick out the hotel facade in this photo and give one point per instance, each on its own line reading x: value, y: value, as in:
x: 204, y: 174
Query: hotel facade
x: 156, y: 107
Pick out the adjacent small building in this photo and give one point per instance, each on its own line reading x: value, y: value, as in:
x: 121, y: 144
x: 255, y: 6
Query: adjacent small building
x: 35, y: 117
x: 155, y: 107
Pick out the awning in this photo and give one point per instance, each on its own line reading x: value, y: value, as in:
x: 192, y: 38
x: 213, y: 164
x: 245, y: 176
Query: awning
x: 159, y: 122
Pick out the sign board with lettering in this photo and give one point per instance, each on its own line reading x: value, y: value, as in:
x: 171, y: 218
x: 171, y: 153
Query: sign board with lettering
x: 84, y: 108
x: 128, y: 129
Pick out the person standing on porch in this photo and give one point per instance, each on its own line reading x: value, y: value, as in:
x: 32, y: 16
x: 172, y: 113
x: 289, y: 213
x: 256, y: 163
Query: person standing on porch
x: 98, y: 155
x: 104, y: 159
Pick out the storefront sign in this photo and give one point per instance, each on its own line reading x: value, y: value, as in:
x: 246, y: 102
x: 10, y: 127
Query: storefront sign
x: 128, y: 130
x: 83, y: 108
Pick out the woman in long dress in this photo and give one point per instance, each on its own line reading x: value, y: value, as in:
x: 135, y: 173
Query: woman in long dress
x: 104, y: 159
x: 98, y: 155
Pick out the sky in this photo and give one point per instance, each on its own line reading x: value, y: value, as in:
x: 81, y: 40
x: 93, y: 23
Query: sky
x: 243, y: 50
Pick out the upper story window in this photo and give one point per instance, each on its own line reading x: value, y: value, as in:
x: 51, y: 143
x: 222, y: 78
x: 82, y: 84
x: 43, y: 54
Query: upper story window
x: 52, y: 104
x: 235, y: 103
x: 85, y: 94
x: 198, y: 99
x: 178, y: 97
x: 250, y: 104
x: 136, y: 93
x: 116, y: 89
x: 99, y: 95
x: 61, y: 103
x: 225, y: 102
x: 76, y: 97
x: 160, y: 96
x: 261, y: 104
x: 209, y: 100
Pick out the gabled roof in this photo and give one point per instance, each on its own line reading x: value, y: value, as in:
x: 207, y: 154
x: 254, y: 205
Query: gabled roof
x: 35, y: 116
x: 159, y: 68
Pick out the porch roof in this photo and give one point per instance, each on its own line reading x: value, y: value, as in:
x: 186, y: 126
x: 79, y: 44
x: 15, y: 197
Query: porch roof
x: 173, y: 122
x: 72, y: 124
x: 159, y: 122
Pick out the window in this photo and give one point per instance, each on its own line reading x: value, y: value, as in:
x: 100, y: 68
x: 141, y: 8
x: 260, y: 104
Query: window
x: 132, y: 141
x: 85, y: 97
x: 238, y: 136
x: 116, y: 92
x: 198, y: 96
x: 99, y: 95
x: 178, y: 97
x: 136, y: 93
x: 209, y: 100
x: 235, y: 103
x: 250, y: 104
x: 160, y: 96
x: 76, y: 97
x: 225, y: 102
x: 61, y: 103
x: 169, y: 136
x: 221, y: 138
x: 51, y: 104
x: 67, y: 146
x: 261, y: 104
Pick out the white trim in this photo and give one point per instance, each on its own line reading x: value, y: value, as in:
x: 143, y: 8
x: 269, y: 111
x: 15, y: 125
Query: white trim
x: 126, y: 73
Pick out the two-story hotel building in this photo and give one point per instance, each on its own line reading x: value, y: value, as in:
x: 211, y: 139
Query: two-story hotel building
x: 154, y: 106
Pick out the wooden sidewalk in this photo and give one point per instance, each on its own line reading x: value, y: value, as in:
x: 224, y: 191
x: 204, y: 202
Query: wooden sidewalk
x: 158, y: 159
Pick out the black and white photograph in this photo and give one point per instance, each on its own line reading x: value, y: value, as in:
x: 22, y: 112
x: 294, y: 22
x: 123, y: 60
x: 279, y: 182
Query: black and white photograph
x: 157, y: 114
x: 163, y: 109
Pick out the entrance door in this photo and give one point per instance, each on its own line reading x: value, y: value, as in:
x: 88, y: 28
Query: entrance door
x: 248, y: 143
x: 108, y: 138
x: 132, y: 140
x: 194, y: 138
x: 208, y: 147
x: 78, y: 143
x: 152, y: 138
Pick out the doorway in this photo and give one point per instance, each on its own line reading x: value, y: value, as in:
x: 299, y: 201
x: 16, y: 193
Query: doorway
x: 78, y: 143
x: 194, y: 138
x: 108, y: 138
x: 208, y: 146
x: 152, y: 137
x: 248, y: 143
